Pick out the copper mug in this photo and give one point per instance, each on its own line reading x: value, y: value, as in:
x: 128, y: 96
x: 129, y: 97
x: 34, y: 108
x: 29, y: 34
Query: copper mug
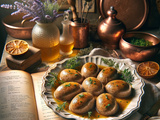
x: 80, y: 33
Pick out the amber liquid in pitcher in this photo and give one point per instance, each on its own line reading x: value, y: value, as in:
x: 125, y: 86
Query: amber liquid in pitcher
x: 50, y: 53
x: 67, y: 48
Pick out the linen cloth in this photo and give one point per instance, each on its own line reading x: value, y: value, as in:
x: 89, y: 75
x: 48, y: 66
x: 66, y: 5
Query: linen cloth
x: 151, y: 95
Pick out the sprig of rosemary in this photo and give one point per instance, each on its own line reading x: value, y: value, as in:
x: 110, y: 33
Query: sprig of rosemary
x: 61, y: 107
x: 126, y: 76
x: 52, y: 80
x: 109, y: 62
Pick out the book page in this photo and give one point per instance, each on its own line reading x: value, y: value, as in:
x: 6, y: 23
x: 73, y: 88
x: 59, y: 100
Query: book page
x: 17, y: 101
x: 44, y: 112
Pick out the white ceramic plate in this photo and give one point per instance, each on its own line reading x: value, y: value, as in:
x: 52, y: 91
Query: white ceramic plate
x: 137, y: 84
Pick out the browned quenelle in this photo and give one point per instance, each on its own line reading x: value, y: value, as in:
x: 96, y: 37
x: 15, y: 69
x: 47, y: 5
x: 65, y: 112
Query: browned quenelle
x: 106, y: 104
x: 89, y: 70
x: 71, y: 75
x: 82, y: 103
x: 93, y: 86
x: 67, y: 91
x: 118, y: 88
x: 107, y: 74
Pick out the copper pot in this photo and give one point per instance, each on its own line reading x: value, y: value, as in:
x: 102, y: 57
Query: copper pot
x: 80, y: 33
x: 138, y: 53
x: 17, y: 27
x: 110, y: 30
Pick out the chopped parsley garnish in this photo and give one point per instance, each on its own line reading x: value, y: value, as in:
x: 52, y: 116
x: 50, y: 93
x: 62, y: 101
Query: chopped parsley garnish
x: 91, y: 81
x: 108, y: 105
x: 90, y: 66
x: 81, y: 96
x: 107, y: 97
x: 68, y: 85
x: 76, y: 74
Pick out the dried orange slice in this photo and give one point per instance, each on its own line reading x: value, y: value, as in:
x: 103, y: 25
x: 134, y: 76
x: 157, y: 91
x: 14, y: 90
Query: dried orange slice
x: 16, y: 47
x: 148, y: 69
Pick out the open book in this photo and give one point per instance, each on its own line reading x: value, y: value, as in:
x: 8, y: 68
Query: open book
x: 21, y: 97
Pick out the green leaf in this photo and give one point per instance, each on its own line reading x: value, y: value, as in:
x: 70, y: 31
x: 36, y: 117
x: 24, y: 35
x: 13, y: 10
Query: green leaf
x: 61, y: 107
x: 53, y: 79
x: 126, y: 76
x: 89, y: 114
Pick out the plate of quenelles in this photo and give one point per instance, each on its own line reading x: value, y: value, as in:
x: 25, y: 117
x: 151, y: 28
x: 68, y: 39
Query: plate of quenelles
x: 93, y: 87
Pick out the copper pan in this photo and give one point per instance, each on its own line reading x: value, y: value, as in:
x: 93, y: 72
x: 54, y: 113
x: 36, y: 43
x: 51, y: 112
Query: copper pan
x: 17, y: 27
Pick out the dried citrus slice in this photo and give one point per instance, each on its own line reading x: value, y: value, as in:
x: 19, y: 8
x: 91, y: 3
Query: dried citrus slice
x: 16, y: 47
x: 148, y: 69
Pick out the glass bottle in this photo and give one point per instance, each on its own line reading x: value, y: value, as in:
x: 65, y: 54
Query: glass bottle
x: 66, y: 39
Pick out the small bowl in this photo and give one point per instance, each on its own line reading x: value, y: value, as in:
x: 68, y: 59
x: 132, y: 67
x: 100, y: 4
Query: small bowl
x: 139, y: 53
x: 17, y: 27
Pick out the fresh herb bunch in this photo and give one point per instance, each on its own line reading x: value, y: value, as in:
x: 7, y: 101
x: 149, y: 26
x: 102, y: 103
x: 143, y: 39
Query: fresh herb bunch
x: 73, y: 62
x: 44, y: 12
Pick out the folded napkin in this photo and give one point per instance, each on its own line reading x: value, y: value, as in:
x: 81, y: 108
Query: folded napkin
x: 151, y: 95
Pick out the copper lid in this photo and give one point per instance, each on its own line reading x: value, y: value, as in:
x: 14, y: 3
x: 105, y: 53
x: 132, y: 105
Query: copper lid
x: 133, y: 13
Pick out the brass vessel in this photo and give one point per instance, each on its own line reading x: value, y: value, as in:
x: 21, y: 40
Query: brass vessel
x: 111, y: 29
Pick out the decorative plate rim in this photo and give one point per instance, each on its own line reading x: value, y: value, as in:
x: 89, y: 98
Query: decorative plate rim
x: 125, y: 63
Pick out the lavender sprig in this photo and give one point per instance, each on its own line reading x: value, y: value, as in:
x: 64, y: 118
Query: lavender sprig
x: 41, y: 12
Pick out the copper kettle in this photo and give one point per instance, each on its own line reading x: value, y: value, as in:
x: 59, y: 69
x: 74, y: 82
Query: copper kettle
x: 111, y: 29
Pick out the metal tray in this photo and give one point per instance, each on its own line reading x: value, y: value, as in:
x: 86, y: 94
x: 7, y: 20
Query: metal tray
x: 133, y: 13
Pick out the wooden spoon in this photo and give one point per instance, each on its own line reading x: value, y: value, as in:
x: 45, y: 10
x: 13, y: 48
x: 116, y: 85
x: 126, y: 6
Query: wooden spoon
x: 73, y: 8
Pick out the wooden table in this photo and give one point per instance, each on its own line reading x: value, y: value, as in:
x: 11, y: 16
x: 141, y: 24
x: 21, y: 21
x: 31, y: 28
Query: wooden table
x: 39, y: 74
